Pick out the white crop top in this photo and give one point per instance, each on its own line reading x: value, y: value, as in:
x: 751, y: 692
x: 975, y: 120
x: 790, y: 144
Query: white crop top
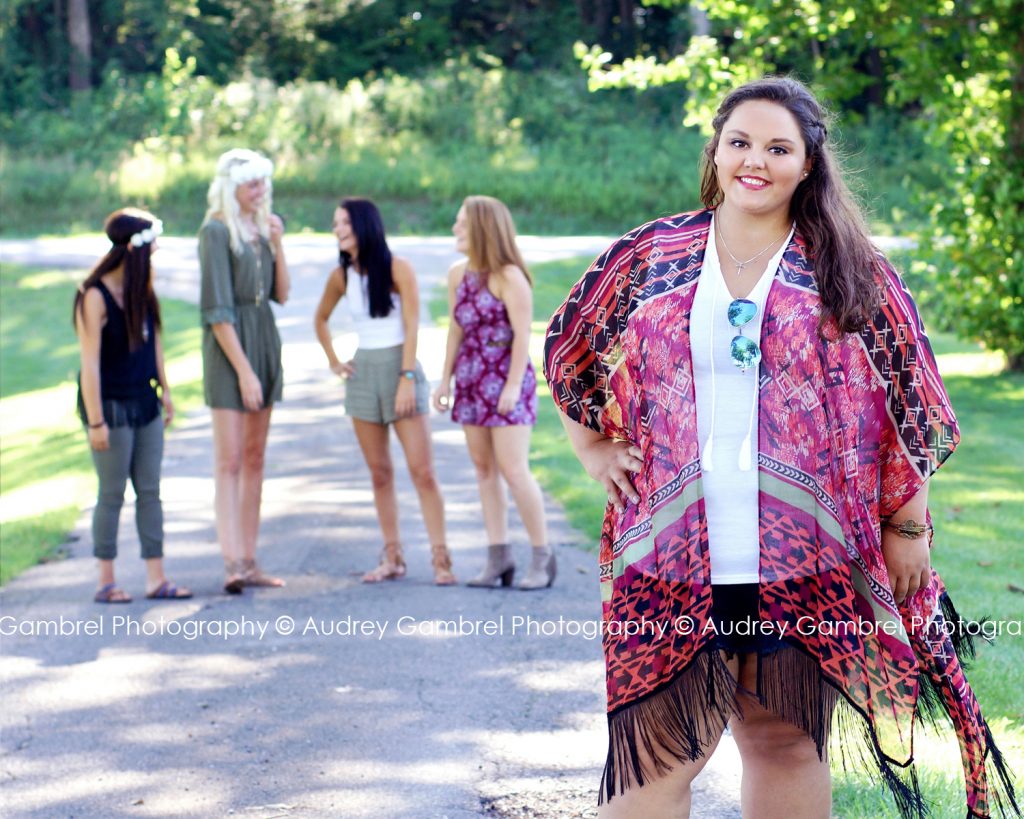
x: 374, y: 333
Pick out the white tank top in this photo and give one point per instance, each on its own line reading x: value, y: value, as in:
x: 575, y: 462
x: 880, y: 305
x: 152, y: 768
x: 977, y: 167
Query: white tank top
x: 727, y: 420
x: 374, y: 333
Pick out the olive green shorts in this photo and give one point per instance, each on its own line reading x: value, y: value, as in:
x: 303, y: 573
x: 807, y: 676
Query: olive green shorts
x: 370, y: 390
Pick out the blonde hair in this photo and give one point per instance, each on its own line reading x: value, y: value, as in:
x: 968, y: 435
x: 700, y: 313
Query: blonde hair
x: 234, y: 168
x: 492, y: 236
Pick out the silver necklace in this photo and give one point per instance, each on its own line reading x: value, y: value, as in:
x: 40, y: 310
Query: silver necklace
x: 740, y: 265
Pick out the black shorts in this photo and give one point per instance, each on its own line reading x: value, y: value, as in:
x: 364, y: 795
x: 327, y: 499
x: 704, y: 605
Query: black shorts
x: 740, y: 630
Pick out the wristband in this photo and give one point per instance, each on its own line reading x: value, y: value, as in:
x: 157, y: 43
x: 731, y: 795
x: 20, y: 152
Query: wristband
x: 97, y: 426
x: 909, y: 529
x: 409, y: 375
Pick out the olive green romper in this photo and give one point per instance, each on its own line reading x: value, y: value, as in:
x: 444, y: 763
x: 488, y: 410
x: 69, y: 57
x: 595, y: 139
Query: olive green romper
x: 237, y: 289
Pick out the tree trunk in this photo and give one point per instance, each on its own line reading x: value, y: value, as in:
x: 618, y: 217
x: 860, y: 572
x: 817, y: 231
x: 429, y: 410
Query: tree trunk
x: 586, y: 11
x: 1015, y: 144
x: 875, y: 92
x: 1015, y: 125
x: 699, y: 21
x: 627, y: 28
x: 80, y: 38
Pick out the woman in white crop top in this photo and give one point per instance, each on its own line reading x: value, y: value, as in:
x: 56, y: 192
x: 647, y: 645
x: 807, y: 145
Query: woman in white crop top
x: 385, y: 385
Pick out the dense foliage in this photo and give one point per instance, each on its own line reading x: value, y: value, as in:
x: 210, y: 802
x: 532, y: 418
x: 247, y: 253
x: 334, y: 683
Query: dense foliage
x: 958, y: 68
x: 422, y: 101
x: 287, y: 40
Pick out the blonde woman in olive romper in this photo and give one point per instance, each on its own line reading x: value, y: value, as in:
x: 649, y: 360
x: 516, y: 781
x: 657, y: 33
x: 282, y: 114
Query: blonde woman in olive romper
x: 242, y: 267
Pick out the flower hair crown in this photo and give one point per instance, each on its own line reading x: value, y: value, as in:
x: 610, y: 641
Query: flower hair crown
x: 144, y: 237
x: 259, y: 167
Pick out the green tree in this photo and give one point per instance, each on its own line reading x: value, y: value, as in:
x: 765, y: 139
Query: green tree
x: 958, y: 66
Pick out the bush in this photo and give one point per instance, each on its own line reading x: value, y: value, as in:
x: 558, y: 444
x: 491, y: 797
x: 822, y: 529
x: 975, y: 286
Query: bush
x: 564, y: 159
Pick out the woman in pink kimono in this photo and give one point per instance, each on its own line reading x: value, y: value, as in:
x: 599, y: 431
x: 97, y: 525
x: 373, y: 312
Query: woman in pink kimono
x: 754, y: 387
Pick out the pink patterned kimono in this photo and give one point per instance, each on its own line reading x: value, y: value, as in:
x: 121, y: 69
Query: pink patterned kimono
x: 849, y: 431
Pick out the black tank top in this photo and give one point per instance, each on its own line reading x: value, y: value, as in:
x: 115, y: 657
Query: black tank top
x: 127, y: 377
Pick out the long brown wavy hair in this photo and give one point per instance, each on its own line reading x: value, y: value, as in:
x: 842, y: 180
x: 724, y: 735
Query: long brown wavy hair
x: 492, y: 237
x: 139, y: 298
x: 825, y: 212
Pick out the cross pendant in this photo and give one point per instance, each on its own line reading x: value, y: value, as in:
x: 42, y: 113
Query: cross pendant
x: 739, y: 268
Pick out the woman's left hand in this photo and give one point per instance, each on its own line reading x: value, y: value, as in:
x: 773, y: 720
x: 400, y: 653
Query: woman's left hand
x: 165, y: 399
x: 508, y: 398
x: 345, y: 369
x: 908, y: 562
x: 276, y: 228
x: 442, y: 397
x: 405, y: 398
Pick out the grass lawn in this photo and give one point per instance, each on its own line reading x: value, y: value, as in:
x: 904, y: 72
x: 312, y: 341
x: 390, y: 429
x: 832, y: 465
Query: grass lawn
x: 978, y: 505
x: 46, y: 474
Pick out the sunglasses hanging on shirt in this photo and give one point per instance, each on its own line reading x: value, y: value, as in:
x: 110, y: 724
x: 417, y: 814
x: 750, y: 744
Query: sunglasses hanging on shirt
x: 744, y: 351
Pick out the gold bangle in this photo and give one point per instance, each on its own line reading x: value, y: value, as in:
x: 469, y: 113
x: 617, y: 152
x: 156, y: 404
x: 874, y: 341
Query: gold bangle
x: 909, y: 529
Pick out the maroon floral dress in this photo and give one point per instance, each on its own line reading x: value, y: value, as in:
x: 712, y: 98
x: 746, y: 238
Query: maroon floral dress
x: 481, y: 366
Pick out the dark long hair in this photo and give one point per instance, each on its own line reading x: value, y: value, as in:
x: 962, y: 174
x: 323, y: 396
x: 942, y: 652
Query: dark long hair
x: 825, y: 212
x: 374, y: 253
x: 139, y: 299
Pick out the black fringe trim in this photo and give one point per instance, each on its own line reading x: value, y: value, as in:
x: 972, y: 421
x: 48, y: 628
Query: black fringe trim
x: 931, y: 709
x: 790, y: 684
x: 1003, y: 794
x: 677, y: 722
x: 859, y: 748
x: 962, y: 636
x: 680, y: 720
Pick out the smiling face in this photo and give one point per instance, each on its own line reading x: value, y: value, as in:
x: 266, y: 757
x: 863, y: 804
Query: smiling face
x: 250, y: 195
x: 761, y: 159
x: 461, y: 231
x: 343, y: 232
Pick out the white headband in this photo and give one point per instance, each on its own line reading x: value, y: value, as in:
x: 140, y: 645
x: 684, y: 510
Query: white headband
x: 144, y: 237
x: 258, y: 167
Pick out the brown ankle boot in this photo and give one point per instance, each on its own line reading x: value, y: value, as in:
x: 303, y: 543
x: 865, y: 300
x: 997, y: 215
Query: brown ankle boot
x: 542, y: 569
x: 499, y: 569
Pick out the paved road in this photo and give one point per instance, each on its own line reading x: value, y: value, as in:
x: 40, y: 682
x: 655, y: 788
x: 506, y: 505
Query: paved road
x: 374, y: 705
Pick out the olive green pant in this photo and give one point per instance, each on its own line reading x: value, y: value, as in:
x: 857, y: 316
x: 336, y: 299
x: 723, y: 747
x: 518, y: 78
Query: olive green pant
x: 136, y: 453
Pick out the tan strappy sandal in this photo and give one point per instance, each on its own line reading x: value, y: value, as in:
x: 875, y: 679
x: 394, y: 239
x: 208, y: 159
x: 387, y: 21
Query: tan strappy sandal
x: 392, y: 565
x: 234, y: 582
x: 253, y: 575
x: 441, y: 560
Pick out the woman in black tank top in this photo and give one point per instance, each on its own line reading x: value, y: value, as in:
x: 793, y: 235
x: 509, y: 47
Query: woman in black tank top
x: 117, y: 318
